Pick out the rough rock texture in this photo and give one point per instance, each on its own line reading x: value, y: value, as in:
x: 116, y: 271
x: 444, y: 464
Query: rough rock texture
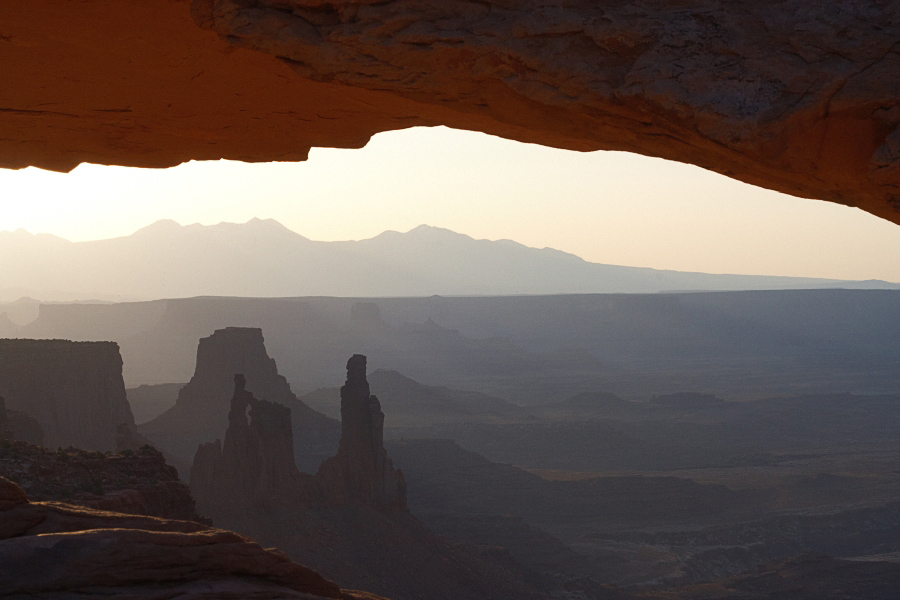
x: 255, y: 465
x: 201, y: 412
x: 791, y: 95
x: 350, y: 521
x: 137, y: 483
x: 50, y: 550
x: 74, y: 390
x: 362, y: 473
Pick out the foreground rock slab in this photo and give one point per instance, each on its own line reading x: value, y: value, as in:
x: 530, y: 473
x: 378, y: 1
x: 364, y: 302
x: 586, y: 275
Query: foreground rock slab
x: 52, y: 550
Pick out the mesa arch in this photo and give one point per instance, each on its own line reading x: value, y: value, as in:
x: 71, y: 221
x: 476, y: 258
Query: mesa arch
x: 797, y: 96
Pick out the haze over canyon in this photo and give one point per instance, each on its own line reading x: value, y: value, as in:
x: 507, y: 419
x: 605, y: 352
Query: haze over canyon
x: 262, y: 258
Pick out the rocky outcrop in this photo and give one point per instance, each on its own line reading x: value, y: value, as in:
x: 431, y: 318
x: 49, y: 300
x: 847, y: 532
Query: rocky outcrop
x: 794, y: 96
x: 201, y: 412
x: 133, y: 482
x: 74, y: 390
x: 254, y: 466
x: 349, y: 521
x: 50, y: 550
x: 362, y: 473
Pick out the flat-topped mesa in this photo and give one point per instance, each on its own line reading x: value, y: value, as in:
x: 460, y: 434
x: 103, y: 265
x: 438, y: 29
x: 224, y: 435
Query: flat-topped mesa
x: 73, y: 390
x: 255, y: 464
x: 362, y: 473
x: 226, y: 352
x: 201, y: 411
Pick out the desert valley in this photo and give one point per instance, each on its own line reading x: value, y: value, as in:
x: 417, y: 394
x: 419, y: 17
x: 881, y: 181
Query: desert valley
x: 706, y: 444
x: 455, y: 300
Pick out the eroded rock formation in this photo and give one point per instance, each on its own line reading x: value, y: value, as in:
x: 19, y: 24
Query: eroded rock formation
x: 254, y: 467
x: 349, y: 521
x: 201, y: 412
x: 361, y: 472
x: 794, y: 96
x: 74, y: 390
x: 51, y: 550
x: 136, y: 483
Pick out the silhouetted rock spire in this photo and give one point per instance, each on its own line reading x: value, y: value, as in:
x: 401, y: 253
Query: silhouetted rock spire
x: 362, y: 473
x: 201, y: 412
x: 254, y: 464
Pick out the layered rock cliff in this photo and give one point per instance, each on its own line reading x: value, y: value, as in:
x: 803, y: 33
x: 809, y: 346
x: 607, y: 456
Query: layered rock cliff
x: 74, y: 390
x: 201, y: 412
x: 793, y: 95
x: 361, y: 472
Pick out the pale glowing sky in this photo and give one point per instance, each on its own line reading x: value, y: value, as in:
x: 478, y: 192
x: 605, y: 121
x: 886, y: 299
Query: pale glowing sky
x: 608, y: 207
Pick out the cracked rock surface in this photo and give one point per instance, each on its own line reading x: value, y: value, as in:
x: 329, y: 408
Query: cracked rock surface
x: 791, y: 95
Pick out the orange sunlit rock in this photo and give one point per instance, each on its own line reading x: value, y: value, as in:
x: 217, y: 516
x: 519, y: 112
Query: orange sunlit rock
x: 799, y: 97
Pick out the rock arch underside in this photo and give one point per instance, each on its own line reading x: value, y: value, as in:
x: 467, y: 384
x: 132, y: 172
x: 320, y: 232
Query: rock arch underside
x: 792, y: 95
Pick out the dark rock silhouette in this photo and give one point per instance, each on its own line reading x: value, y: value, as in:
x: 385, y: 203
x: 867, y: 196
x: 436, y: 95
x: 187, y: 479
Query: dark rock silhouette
x: 362, y: 472
x: 134, y: 482
x: 201, y: 412
x: 255, y: 464
x: 74, y: 390
x: 350, y: 520
x: 88, y: 553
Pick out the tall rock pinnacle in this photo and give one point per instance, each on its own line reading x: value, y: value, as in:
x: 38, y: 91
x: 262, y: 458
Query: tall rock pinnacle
x: 361, y: 472
x: 254, y: 465
x: 201, y: 412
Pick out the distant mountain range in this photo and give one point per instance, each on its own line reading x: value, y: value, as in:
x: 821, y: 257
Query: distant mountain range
x: 262, y: 258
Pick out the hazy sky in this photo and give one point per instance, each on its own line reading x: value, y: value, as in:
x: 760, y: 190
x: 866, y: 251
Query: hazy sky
x: 608, y: 207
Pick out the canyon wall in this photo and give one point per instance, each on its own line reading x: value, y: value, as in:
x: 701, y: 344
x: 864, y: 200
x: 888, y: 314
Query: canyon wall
x: 795, y: 96
x: 74, y: 390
